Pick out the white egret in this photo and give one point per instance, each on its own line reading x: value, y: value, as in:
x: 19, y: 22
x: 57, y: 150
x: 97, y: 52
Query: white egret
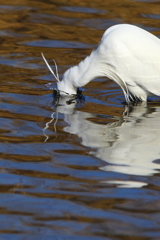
x: 126, y: 54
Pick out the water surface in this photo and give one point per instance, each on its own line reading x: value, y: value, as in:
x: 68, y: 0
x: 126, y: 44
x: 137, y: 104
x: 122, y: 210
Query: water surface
x: 85, y: 170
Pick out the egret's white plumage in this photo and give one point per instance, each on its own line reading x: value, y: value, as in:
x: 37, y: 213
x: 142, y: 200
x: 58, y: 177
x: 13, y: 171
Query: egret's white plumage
x: 126, y: 54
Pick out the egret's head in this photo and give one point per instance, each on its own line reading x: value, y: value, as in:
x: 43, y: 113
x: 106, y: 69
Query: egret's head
x: 64, y: 87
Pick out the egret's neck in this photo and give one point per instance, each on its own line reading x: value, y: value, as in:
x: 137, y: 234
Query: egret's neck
x: 83, y: 73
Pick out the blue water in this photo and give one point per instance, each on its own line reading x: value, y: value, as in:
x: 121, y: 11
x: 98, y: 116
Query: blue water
x: 86, y: 170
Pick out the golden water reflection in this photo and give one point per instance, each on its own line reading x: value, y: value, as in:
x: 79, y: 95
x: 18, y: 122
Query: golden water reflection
x: 83, y: 171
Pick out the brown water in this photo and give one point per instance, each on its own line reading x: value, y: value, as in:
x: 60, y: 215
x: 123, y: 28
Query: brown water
x: 85, y: 170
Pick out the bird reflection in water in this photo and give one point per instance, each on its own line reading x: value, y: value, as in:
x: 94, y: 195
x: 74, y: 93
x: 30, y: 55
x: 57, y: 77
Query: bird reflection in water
x: 68, y: 102
x: 129, y: 146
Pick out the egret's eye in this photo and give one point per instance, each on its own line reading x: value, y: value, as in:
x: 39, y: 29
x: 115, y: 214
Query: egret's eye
x: 56, y: 93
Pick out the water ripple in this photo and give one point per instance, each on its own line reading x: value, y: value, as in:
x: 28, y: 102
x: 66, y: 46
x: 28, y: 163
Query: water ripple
x: 85, y: 170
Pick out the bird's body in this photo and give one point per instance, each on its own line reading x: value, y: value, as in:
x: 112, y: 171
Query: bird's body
x: 126, y: 54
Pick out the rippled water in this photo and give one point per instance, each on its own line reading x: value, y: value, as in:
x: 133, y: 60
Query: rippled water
x: 85, y: 170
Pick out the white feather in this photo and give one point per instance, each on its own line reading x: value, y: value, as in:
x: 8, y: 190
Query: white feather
x: 56, y: 77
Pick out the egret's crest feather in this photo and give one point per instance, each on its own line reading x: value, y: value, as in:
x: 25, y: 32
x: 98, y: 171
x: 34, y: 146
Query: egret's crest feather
x: 55, y: 75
